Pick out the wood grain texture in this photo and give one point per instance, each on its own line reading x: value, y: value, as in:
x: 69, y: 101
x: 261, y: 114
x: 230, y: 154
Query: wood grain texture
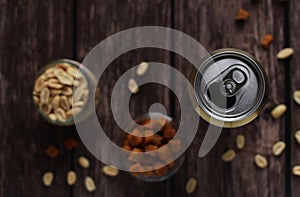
x: 294, y: 80
x: 97, y: 20
x: 32, y: 33
x: 213, y: 24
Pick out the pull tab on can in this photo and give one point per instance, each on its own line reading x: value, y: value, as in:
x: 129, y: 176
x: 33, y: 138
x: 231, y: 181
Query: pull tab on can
x: 233, y: 82
x: 230, y: 87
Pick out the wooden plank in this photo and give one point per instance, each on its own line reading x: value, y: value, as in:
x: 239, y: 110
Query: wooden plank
x: 32, y: 33
x: 96, y: 21
x: 213, y: 24
x: 294, y: 81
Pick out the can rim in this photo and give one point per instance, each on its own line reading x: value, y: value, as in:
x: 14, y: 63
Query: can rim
x: 247, y: 116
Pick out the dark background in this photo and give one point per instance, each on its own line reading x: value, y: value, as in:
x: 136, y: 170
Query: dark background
x: 33, y: 33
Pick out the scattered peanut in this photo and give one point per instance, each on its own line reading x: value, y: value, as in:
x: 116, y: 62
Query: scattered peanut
x: 278, y: 111
x: 48, y: 178
x: 71, y: 178
x: 89, y: 184
x: 285, y: 53
x: 297, y: 136
x: 191, y: 185
x: 110, y: 171
x: 296, y: 96
x: 229, y: 155
x: 296, y: 170
x: 132, y: 86
x: 240, y: 141
x: 260, y: 161
x: 83, y: 162
x: 142, y: 68
x: 278, y: 148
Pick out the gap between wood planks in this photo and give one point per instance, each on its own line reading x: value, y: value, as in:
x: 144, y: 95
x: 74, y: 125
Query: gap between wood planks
x: 288, y: 100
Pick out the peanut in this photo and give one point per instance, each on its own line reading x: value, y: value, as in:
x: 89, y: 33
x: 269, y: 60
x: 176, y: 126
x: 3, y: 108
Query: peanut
x: 48, y: 179
x: 260, y: 161
x: 110, y: 171
x: 285, y: 53
x: 278, y: 111
x: 191, y: 185
x: 229, y: 155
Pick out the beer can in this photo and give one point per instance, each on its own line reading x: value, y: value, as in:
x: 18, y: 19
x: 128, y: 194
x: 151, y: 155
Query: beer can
x: 230, y: 88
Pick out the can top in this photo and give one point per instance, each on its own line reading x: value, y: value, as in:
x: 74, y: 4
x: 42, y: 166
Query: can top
x: 230, y: 85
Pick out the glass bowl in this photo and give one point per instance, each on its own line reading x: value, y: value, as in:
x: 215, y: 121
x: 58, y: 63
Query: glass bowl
x: 76, y: 97
x: 134, y: 143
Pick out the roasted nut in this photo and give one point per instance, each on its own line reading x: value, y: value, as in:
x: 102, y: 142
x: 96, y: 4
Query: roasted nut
x: 67, y: 91
x: 63, y: 65
x: 150, y: 148
x: 267, y: 40
x: 60, y: 114
x: 54, y: 83
x: 135, y: 169
x: 55, y: 102
x: 45, y: 108
x: 175, y: 145
x: 83, y: 162
x: 52, y: 117
x: 169, y: 133
x: 133, y: 138
x: 73, y: 111
x: 285, y: 53
x: 78, y: 93
x: 71, y: 178
x: 70, y: 143
x: 296, y: 170
x: 48, y: 178
x: 191, y: 185
x: 73, y: 71
x: 228, y: 156
x: 278, y: 111
x: 39, y: 83
x: 242, y: 15
x: 133, y: 157
x: 164, y: 153
x: 89, y: 184
x: 45, y: 94
x: 127, y: 147
x: 162, y: 170
x: 63, y: 77
x: 79, y: 104
x: 52, y: 151
x: 260, y: 161
x: 142, y: 68
x: 297, y: 136
x: 296, y: 96
x: 36, y: 100
x: 278, y: 148
x: 64, y: 103
x: 240, y: 141
x: 132, y: 86
x: 110, y: 171
x: 55, y: 92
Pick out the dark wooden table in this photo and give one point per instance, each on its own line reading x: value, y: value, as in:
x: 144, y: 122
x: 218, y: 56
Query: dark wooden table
x: 32, y: 33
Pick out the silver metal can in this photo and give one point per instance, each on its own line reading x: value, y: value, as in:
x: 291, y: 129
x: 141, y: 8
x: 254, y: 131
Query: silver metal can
x: 230, y: 88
